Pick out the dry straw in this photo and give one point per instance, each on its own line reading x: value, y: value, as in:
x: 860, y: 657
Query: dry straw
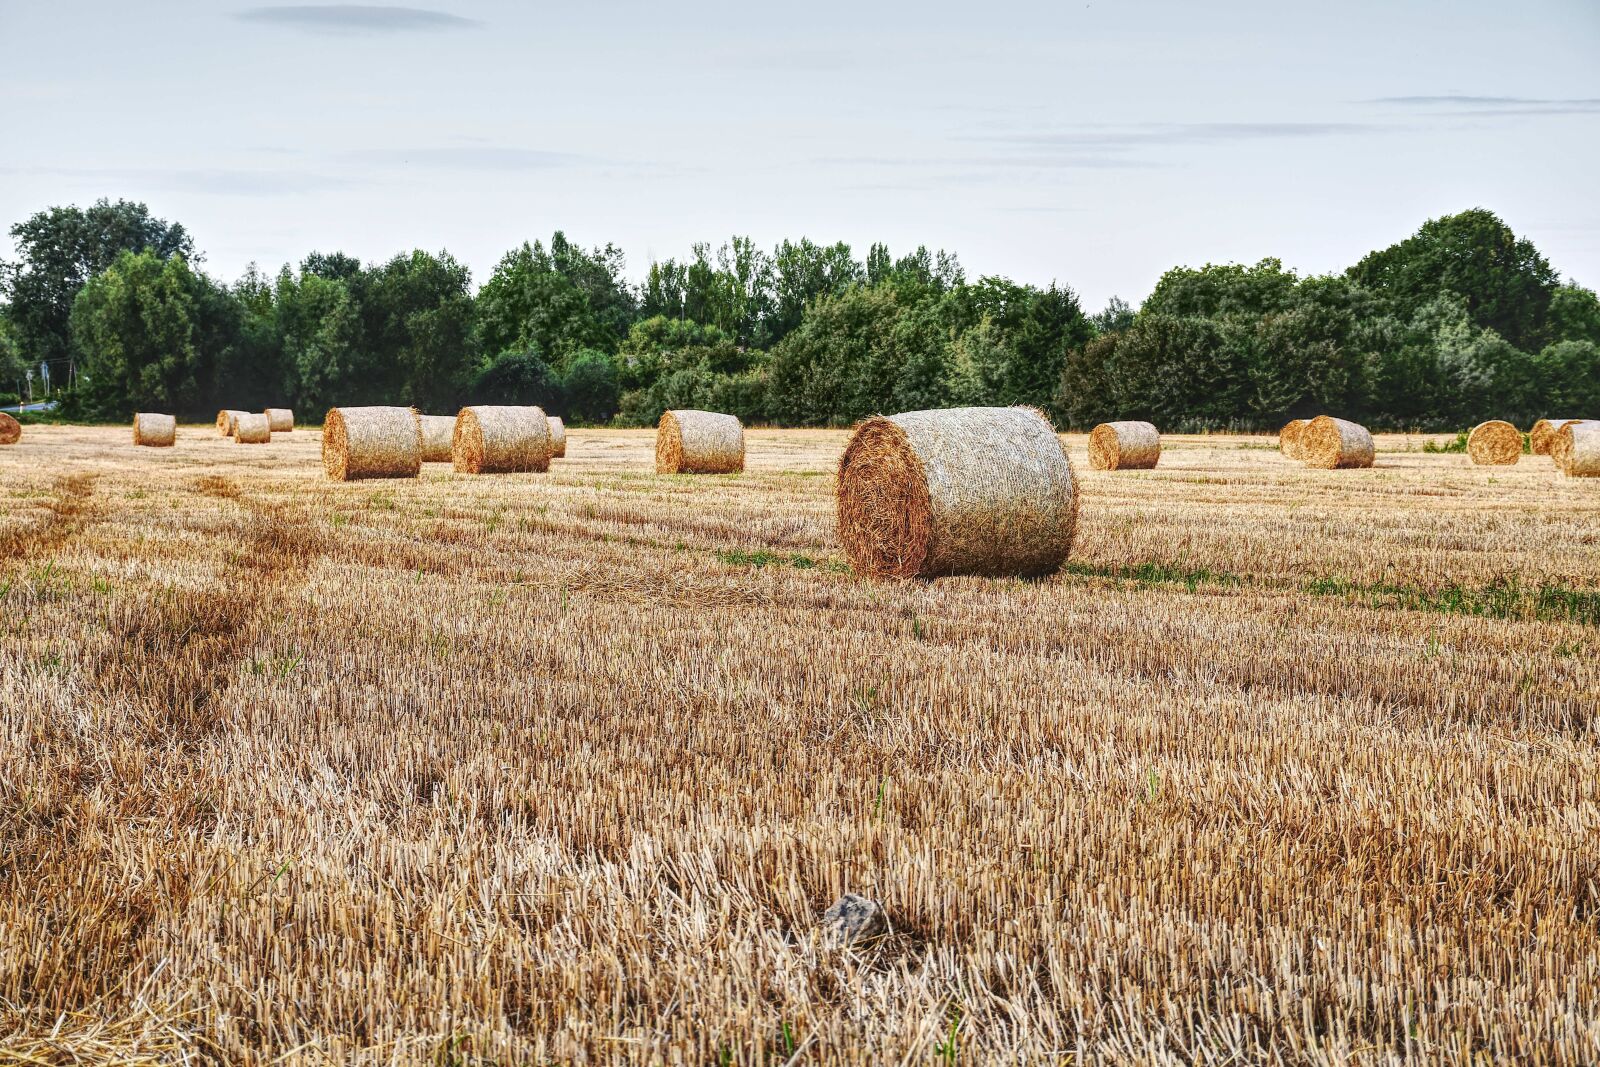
x: 1576, y: 449
x: 1494, y: 444
x: 10, y: 430
x: 558, y: 437
x: 960, y: 491
x: 375, y: 442
x: 699, y: 442
x: 1289, y: 437
x: 157, y: 431
x: 438, y: 437
x: 1330, y: 443
x: 1543, y: 435
x: 501, y: 440
x: 1117, y: 446
x: 225, y: 420
x: 249, y: 429
x: 279, y: 420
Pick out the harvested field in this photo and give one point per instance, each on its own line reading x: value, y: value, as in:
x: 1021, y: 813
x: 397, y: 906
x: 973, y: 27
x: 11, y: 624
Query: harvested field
x: 1285, y: 763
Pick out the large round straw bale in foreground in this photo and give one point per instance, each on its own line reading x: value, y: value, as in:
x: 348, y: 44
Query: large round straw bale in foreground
x: 438, y: 437
x: 959, y: 491
x: 279, y: 420
x: 225, y: 420
x: 1329, y: 443
x: 1494, y: 444
x: 1115, y: 446
x: 1289, y: 437
x: 1576, y: 449
x: 501, y: 440
x: 10, y: 430
x: 157, y: 431
x: 376, y: 442
x: 1543, y: 434
x: 699, y: 442
x: 250, y: 429
x: 558, y: 437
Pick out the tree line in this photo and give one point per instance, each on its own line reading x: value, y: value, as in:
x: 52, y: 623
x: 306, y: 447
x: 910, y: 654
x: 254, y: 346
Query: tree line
x: 1460, y: 322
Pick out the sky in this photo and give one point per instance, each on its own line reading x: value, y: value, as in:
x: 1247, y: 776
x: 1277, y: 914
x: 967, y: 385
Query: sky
x: 1091, y: 144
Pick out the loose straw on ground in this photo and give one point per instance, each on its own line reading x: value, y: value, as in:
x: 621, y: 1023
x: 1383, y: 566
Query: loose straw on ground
x: 154, y: 430
x: 699, y: 442
x: 1117, y: 446
x: 501, y: 440
x: 1494, y: 444
x: 1329, y: 443
x: 558, y: 437
x: 1543, y: 434
x: 10, y: 430
x: 371, y: 442
x: 1576, y: 449
x: 438, y: 437
x: 279, y: 420
x: 1289, y: 437
x: 225, y: 420
x: 960, y: 491
x: 250, y: 429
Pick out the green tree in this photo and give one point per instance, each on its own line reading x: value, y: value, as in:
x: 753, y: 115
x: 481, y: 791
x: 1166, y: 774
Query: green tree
x: 520, y: 378
x: 558, y: 301
x: 317, y: 324
x: 591, y: 386
x: 1568, y: 377
x: 1574, y: 314
x: 417, y: 318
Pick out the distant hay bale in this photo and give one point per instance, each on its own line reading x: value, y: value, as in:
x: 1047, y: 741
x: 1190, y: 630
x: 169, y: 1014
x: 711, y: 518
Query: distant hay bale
x: 251, y: 429
x: 279, y: 420
x: 558, y: 437
x: 1329, y: 443
x: 1543, y: 435
x: 1289, y: 437
x: 10, y: 430
x: 501, y: 440
x: 438, y: 437
x: 699, y: 442
x: 374, y: 442
x: 1117, y: 446
x: 225, y: 420
x: 1494, y: 444
x: 157, y: 431
x: 1576, y: 449
x: 961, y: 491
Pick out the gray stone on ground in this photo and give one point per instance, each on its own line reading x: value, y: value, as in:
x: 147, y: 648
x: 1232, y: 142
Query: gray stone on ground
x: 853, y: 918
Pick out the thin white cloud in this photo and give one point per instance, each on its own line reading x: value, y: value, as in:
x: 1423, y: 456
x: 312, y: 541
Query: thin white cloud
x: 355, y: 18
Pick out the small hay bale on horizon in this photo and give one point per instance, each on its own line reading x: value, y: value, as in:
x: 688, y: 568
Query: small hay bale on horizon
x: 1328, y: 443
x: 1124, y: 446
x: 251, y: 429
x: 1542, y: 436
x: 154, y: 430
x: 438, y: 437
x: 1576, y: 449
x: 10, y: 429
x: 225, y: 420
x: 1495, y: 443
x: 986, y: 491
x: 280, y: 420
x: 371, y: 442
x: 1289, y: 437
x: 558, y: 437
x: 699, y: 442
x: 493, y: 439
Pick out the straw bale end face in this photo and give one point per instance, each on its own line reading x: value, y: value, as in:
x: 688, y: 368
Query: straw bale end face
x: 1331, y: 444
x: 154, y: 430
x: 1124, y: 446
x: 226, y: 418
x: 1576, y: 449
x: 699, y: 442
x: 1289, y: 437
x: 251, y: 429
x: 1542, y: 436
x: 10, y: 430
x: 371, y: 442
x: 1494, y: 444
x: 501, y: 440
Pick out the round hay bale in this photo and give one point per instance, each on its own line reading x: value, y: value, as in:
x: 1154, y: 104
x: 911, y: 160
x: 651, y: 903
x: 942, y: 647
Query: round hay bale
x: 699, y: 442
x: 375, y: 442
x: 438, y: 437
x: 157, y: 431
x: 960, y: 491
x: 251, y: 429
x: 1494, y: 444
x: 1329, y: 443
x: 1576, y: 449
x: 10, y: 430
x: 1542, y: 437
x: 279, y: 420
x: 501, y: 440
x: 225, y: 420
x: 1289, y: 437
x: 558, y: 437
x: 1115, y: 446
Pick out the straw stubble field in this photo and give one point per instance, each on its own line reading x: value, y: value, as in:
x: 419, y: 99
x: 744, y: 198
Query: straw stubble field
x: 1290, y: 764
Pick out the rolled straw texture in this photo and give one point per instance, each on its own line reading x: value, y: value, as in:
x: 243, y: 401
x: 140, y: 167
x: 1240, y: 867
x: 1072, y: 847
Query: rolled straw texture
x: 1576, y: 449
x: 279, y: 420
x: 501, y: 440
x: 1495, y: 443
x: 985, y: 491
x: 1289, y: 437
x: 1330, y: 443
x: 1115, y: 446
x: 251, y: 429
x: 438, y: 437
x: 558, y: 437
x: 1543, y: 434
x: 699, y: 442
x: 10, y: 430
x: 157, y: 431
x: 373, y: 442
x: 225, y: 420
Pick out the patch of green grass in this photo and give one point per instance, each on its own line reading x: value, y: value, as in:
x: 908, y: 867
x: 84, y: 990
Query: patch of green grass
x: 763, y: 558
x: 1159, y: 573
x: 1458, y: 445
x: 1502, y: 598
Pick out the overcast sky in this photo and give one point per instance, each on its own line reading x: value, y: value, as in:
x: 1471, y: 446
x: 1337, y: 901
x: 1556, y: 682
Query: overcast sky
x: 1093, y: 144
